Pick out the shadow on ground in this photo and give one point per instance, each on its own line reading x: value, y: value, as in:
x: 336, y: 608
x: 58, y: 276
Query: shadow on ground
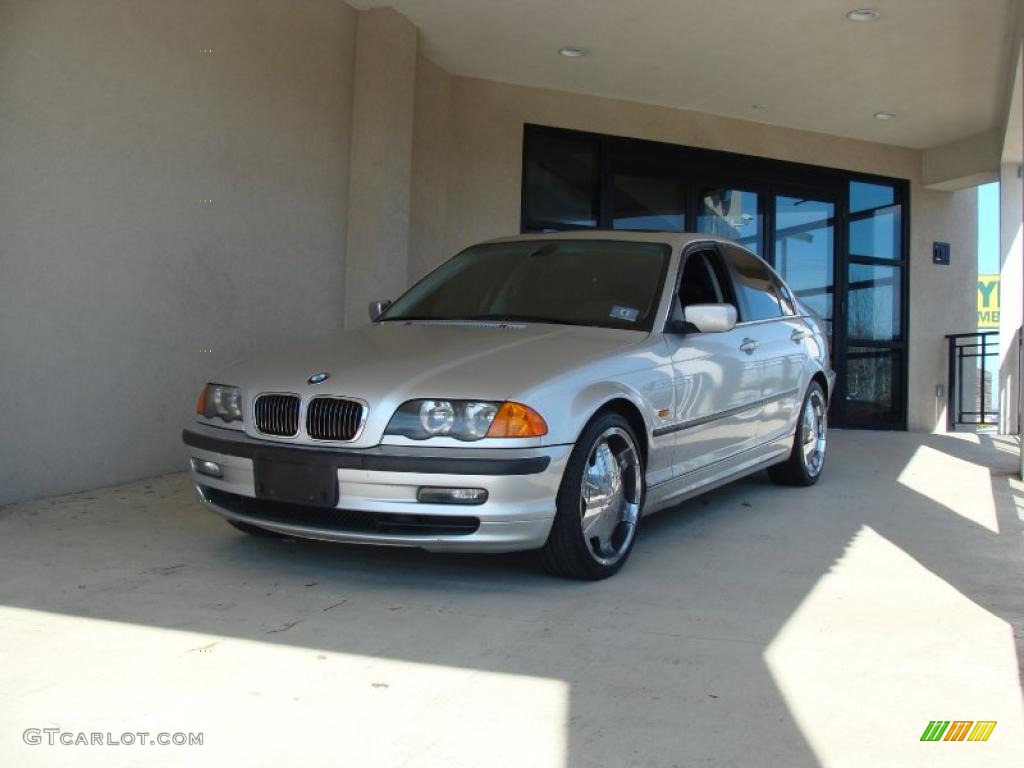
x: 665, y: 664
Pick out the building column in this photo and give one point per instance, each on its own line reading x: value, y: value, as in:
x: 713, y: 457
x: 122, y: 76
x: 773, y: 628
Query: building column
x: 380, y: 169
x: 1011, y: 298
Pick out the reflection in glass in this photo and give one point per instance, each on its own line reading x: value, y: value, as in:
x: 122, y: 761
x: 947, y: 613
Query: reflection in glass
x: 755, y: 284
x: 864, y: 196
x: 873, y: 388
x: 644, y: 202
x: 877, y: 234
x: 731, y: 213
x: 578, y: 282
x: 804, y: 251
x: 561, y: 181
x: 874, y: 291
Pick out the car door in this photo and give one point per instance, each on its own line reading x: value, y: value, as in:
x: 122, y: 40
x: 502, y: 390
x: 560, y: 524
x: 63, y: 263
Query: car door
x: 717, y: 390
x: 778, y: 413
x: 768, y: 340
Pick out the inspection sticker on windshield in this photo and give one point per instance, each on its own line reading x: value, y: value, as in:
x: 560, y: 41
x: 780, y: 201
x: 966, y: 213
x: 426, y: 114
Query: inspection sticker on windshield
x: 624, y: 313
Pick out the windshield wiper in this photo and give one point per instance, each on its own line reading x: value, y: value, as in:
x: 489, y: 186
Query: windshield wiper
x: 495, y: 317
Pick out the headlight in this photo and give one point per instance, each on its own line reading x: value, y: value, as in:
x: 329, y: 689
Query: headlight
x: 220, y: 401
x: 437, y: 417
x: 465, y: 420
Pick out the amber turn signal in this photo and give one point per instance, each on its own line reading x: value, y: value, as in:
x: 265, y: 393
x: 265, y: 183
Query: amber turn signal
x: 201, y: 401
x: 517, y: 420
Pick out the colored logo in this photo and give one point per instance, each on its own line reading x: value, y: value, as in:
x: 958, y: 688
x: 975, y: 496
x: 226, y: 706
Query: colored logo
x: 958, y: 730
x: 988, y: 301
x: 317, y: 378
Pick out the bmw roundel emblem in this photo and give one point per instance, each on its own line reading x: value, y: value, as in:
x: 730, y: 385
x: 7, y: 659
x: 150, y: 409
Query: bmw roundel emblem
x: 317, y: 378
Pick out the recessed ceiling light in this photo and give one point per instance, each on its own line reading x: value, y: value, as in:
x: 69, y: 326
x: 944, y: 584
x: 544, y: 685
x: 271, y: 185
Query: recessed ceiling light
x: 863, y: 14
x: 572, y: 52
x: 885, y: 115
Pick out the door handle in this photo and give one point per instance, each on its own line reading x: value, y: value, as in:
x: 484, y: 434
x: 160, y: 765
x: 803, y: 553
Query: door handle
x: 748, y: 346
x: 797, y: 335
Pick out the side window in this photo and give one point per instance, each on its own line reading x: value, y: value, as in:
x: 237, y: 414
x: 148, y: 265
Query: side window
x: 788, y: 306
x: 699, y: 284
x: 755, y: 285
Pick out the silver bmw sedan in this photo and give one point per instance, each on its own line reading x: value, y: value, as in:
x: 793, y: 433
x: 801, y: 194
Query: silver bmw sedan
x: 539, y: 392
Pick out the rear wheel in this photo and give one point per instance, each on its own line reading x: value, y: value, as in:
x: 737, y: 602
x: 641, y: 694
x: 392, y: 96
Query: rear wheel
x: 807, y: 459
x: 599, y: 502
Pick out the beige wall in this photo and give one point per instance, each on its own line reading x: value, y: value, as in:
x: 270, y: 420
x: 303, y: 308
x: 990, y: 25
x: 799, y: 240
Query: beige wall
x: 1011, y: 282
x: 485, y: 165
x: 114, y: 275
x: 942, y: 299
x: 383, y: 106
x: 116, y: 125
x: 430, y: 162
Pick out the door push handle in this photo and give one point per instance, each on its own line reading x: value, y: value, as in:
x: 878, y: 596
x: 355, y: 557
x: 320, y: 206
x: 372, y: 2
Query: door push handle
x: 797, y: 335
x: 748, y: 346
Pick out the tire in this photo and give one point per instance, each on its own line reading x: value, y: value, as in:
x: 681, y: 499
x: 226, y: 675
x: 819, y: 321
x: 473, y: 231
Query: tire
x: 254, y: 530
x: 807, y: 459
x: 602, y: 493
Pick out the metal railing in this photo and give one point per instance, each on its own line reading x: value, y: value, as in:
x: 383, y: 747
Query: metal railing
x: 970, y: 385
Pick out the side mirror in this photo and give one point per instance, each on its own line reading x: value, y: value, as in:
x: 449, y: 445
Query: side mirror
x: 711, y: 318
x: 377, y: 308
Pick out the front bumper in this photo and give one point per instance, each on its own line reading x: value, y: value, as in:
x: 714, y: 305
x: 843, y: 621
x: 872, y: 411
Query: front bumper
x: 377, y: 492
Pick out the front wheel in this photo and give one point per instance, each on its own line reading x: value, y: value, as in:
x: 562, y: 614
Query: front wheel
x: 598, y: 504
x: 807, y: 459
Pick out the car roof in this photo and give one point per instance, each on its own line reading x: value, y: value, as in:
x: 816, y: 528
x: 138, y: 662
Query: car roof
x: 675, y: 239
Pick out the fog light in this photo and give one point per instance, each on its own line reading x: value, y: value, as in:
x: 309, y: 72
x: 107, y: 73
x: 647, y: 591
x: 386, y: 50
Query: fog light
x: 452, y: 495
x: 204, y: 467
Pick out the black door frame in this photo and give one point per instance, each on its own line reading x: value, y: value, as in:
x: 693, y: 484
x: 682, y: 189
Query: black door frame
x: 837, y: 344
x: 701, y: 170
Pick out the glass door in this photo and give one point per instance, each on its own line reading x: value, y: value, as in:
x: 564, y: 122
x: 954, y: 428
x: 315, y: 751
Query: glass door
x: 874, y: 333
x: 732, y: 213
x: 844, y: 259
x: 804, y: 253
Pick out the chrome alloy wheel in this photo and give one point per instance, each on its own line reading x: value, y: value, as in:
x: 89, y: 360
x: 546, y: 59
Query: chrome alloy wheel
x: 813, y: 429
x: 610, y: 496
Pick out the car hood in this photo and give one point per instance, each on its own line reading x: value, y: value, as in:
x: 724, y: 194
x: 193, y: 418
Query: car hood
x: 388, y: 363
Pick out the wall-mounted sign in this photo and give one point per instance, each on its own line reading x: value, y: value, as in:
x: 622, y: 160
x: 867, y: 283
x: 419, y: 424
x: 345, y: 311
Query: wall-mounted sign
x: 988, y: 301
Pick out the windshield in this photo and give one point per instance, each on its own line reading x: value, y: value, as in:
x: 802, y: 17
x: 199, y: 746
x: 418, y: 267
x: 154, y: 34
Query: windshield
x: 576, y: 282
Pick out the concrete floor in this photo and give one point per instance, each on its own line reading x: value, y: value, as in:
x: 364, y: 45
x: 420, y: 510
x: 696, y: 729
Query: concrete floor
x: 754, y: 626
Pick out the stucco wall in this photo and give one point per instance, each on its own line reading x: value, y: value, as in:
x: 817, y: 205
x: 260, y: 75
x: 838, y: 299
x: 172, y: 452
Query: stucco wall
x: 115, y: 126
x: 122, y: 288
x: 383, y: 109
x: 942, y: 299
x: 485, y: 166
x: 430, y: 162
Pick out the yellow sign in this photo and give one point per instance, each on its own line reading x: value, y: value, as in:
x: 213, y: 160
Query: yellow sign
x: 988, y: 301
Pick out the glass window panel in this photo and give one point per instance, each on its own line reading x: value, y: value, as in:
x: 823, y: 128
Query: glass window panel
x: 755, y: 285
x: 874, y: 302
x: 873, y: 386
x: 561, y: 180
x: 699, y: 284
x: 786, y: 298
x: 864, y: 196
x: 580, y: 282
x: 878, y: 235
x: 731, y: 213
x: 644, y: 202
x: 804, y: 251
